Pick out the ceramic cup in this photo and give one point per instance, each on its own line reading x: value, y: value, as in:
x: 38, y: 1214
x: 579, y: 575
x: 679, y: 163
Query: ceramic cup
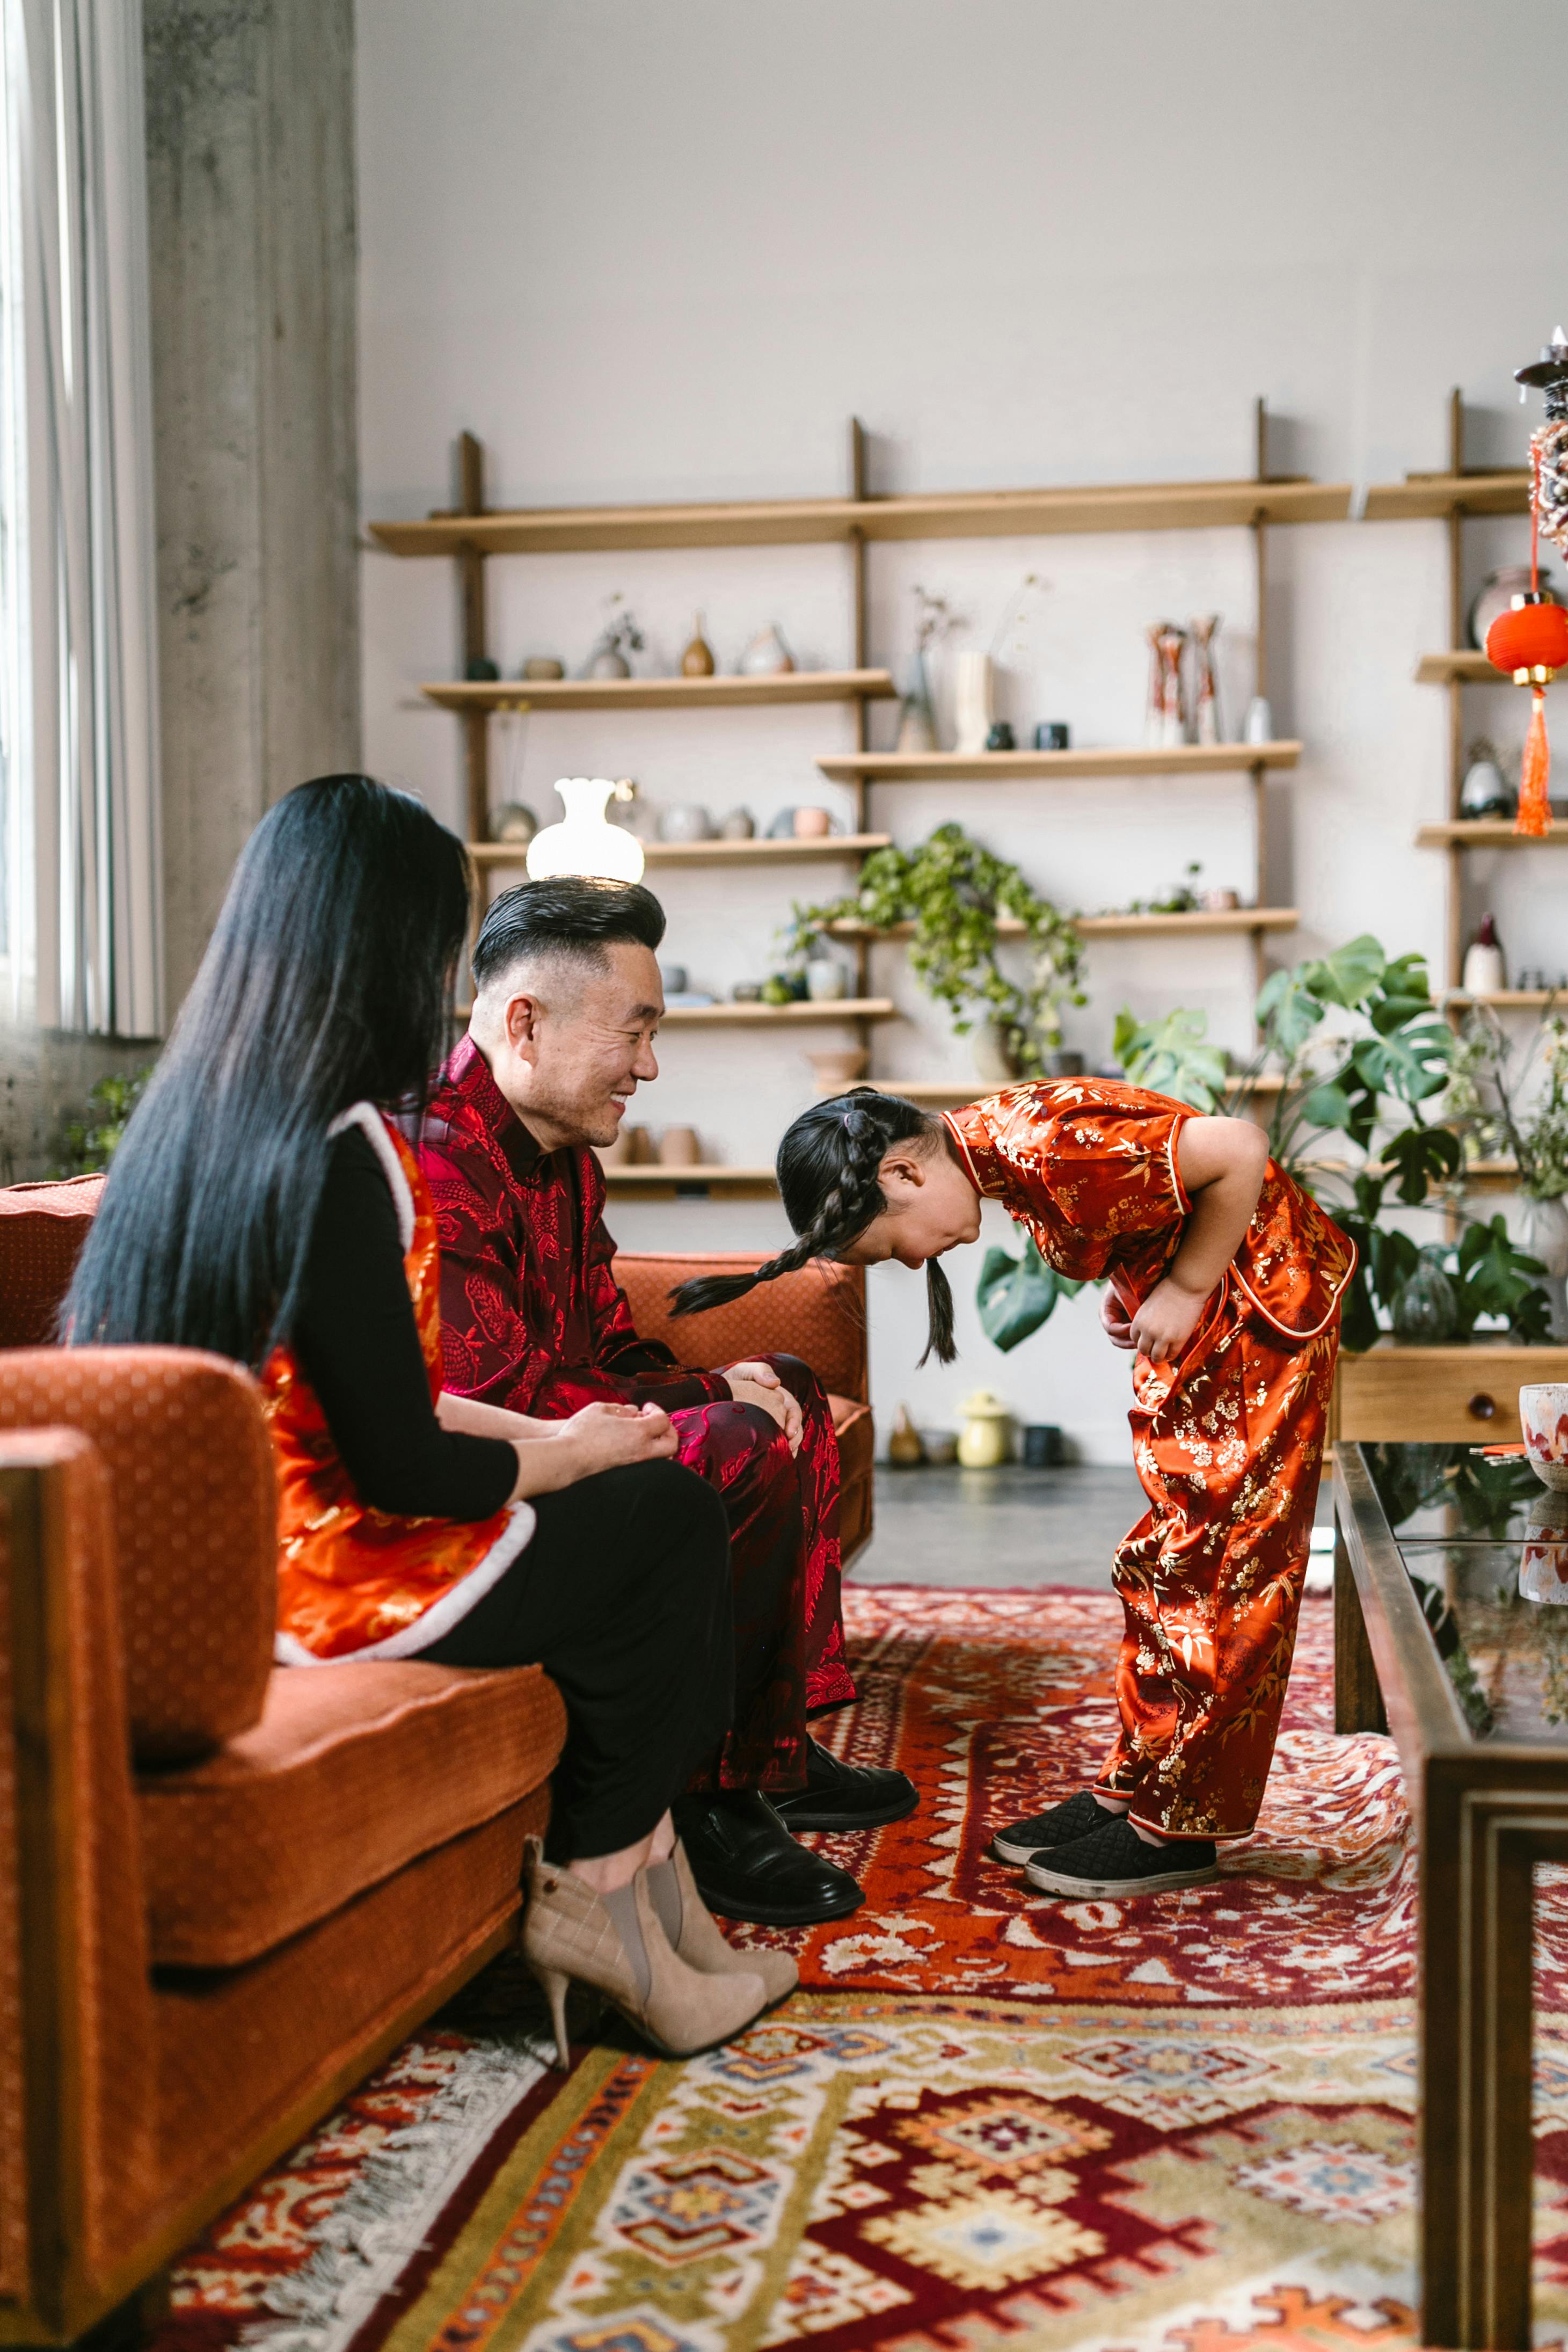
x: 811, y: 824
x: 679, y: 1148
x: 685, y: 821
x: 673, y: 976
x: 1053, y: 735
x: 1543, y: 1419
x: 639, y: 1146
x: 826, y: 980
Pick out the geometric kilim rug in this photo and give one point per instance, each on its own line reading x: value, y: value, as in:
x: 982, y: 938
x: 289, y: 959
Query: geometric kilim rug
x: 985, y: 2124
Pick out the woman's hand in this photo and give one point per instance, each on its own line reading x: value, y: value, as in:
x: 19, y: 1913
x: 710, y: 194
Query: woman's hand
x: 602, y: 1436
x: 760, y: 1385
x: 1162, y: 1326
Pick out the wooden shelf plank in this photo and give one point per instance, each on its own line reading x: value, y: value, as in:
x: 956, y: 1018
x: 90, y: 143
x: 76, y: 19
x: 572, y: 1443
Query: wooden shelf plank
x: 1242, y: 919
x: 1006, y: 767
x: 1469, y: 667
x: 953, y: 514
x: 663, y: 693
x: 1511, y: 999
x: 1421, y: 496
x: 763, y: 1016
x: 947, y: 1093
x: 1487, y: 833
x: 658, y: 1183
x: 499, y: 855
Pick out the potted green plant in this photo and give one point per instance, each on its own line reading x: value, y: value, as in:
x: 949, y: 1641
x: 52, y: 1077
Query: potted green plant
x: 1514, y: 1104
x: 954, y: 891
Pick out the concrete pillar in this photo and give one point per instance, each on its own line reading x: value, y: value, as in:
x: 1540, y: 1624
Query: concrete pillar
x: 250, y: 165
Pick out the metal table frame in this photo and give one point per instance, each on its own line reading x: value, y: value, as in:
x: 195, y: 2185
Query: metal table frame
x: 1485, y: 1813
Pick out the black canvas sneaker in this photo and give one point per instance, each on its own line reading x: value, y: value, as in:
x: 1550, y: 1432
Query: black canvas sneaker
x: 1115, y: 1860
x: 1058, y: 1825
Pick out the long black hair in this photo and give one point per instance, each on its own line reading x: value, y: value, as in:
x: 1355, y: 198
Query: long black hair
x: 830, y: 1179
x: 327, y: 982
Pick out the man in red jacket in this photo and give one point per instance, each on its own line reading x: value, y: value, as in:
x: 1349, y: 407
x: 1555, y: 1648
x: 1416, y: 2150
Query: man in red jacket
x: 567, y: 999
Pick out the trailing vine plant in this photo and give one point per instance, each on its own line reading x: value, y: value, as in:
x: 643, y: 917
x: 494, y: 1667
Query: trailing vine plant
x: 953, y: 891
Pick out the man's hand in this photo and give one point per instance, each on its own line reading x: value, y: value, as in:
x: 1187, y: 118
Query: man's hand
x: 1165, y: 1321
x: 760, y: 1384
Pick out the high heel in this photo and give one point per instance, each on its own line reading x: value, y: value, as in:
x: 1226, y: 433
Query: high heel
x: 568, y: 1932
x: 702, y: 1943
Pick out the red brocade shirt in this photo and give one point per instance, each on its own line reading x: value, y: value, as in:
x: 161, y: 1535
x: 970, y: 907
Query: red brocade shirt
x: 1089, y: 1167
x: 532, y: 1316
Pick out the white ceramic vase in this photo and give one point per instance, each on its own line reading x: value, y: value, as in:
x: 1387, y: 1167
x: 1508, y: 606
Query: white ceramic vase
x: 974, y: 701
x: 584, y: 841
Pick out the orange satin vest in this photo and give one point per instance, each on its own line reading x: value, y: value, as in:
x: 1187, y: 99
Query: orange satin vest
x: 353, y: 1582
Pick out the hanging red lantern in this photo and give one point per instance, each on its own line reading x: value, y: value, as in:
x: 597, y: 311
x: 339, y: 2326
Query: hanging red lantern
x: 1529, y: 642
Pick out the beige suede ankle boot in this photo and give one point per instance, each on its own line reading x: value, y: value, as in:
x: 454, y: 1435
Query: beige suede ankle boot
x: 568, y: 1934
x: 700, y: 1941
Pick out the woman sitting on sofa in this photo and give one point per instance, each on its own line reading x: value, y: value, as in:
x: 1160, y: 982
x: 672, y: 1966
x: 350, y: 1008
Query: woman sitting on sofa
x: 264, y: 1205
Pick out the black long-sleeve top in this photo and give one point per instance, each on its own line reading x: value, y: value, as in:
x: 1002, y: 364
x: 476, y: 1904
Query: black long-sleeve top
x: 357, y: 1345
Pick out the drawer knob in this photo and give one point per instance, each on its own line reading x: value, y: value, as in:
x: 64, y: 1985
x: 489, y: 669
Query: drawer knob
x: 1482, y: 1407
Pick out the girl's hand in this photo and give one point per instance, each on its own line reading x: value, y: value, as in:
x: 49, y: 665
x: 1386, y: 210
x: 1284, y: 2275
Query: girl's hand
x: 1113, y: 1320
x: 1165, y: 1321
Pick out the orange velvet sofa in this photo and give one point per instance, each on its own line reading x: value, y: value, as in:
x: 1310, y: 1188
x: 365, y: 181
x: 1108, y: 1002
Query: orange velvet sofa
x: 230, y: 1889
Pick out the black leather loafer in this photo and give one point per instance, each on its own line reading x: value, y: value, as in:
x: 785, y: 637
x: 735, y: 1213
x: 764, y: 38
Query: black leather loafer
x: 846, y: 1796
x: 748, y: 1866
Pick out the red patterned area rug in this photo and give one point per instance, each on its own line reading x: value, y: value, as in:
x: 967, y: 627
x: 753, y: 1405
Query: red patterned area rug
x: 988, y: 2124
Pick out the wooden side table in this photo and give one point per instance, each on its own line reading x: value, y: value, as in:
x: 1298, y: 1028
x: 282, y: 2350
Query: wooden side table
x: 1485, y: 1773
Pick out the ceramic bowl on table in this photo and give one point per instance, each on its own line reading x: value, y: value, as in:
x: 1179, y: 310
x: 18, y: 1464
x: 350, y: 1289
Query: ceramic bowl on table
x: 1543, y: 1419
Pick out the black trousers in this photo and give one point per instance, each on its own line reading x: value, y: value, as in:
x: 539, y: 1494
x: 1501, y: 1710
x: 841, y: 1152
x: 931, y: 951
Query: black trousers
x: 623, y: 1597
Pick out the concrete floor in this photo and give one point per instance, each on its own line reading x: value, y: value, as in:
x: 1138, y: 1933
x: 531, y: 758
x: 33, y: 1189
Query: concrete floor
x: 1010, y: 1526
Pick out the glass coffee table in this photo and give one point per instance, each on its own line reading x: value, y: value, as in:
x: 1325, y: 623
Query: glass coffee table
x: 1451, y: 1633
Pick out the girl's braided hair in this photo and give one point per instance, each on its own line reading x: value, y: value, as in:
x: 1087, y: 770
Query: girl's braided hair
x: 830, y: 1167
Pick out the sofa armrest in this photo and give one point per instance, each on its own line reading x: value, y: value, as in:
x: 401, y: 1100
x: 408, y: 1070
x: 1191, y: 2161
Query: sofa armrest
x: 194, y: 1514
x: 78, y: 2164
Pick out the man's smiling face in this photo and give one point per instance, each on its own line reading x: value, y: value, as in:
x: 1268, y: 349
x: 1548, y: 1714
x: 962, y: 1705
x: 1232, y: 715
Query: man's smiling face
x: 569, y: 1041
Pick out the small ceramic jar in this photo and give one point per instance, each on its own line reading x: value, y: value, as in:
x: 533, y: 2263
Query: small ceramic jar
x: 834, y: 1072
x: 1543, y: 1422
x: 739, y: 825
x: 679, y: 1148
x: 811, y: 824
x: 685, y: 821
x: 826, y: 979
x: 984, y: 1440
x: 515, y: 822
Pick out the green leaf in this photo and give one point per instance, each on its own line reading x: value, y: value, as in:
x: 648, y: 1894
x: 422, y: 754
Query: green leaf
x: 1170, y: 1056
x: 1288, y: 1011
x: 1017, y: 1295
x: 1423, y: 1156
x: 1348, y: 976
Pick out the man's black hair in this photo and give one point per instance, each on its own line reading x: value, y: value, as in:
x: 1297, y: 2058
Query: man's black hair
x: 571, y: 915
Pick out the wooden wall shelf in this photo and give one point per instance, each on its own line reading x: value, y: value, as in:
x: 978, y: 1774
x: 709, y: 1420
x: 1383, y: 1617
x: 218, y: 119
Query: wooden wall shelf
x: 1232, y: 921
x: 948, y: 1094
x: 1515, y: 999
x: 1487, y: 833
x: 784, y: 522
x: 783, y: 1016
x: 1007, y: 767
x: 499, y: 855
x: 653, y: 1183
x: 663, y: 693
x: 1466, y: 667
x: 1430, y: 496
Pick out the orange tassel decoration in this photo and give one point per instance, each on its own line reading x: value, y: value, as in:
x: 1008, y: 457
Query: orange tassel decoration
x: 1535, y: 818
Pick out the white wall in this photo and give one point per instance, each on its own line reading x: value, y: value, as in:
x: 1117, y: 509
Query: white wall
x: 664, y: 252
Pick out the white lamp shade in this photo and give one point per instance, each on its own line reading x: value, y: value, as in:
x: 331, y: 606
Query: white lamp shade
x: 585, y: 842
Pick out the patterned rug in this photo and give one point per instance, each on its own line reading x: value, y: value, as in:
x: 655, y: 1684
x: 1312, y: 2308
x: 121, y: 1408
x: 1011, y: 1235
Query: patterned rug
x: 989, y: 2124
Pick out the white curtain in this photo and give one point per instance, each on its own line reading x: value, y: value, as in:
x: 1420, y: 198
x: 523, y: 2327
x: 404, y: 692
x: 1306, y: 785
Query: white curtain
x: 79, y: 718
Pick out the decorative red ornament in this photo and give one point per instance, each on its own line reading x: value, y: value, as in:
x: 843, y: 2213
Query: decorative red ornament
x: 1530, y: 643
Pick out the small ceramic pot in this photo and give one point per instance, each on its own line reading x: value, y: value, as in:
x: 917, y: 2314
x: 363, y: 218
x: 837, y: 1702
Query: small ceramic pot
x: 834, y: 1072
x: 984, y: 1440
x: 1043, y: 1446
x: 739, y: 825
x: 617, y: 1154
x: 480, y: 671
x: 993, y: 1059
x: 904, y: 1447
x: 513, y: 821
x: 1260, y: 722
x: 542, y: 666
x: 673, y: 976
x: 1053, y: 735
x: 747, y: 992
x: 638, y: 1146
x: 1000, y: 738
x: 1064, y: 1062
x: 609, y: 665
x: 1543, y: 1421
x: 1496, y: 597
x: 941, y: 1446
x: 679, y: 1148
x: 1485, y: 790
x: 811, y: 824
x: 826, y: 979
x: 783, y: 827
x: 766, y: 656
x: 697, y: 659
x: 685, y: 821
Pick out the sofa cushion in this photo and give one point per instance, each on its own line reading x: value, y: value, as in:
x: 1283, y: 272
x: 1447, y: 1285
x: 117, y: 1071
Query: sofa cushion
x: 856, y: 1434
x: 818, y: 1314
x: 42, y: 1229
x: 352, y: 1771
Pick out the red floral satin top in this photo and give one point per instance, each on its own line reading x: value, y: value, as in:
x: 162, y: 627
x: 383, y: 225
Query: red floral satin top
x: 1089, y: 1166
